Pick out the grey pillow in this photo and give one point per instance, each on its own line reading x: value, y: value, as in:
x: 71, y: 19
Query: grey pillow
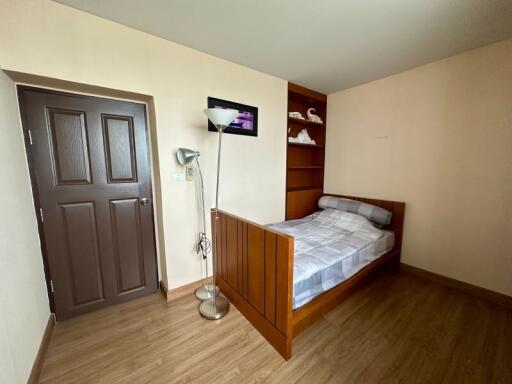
x: 371, y: 212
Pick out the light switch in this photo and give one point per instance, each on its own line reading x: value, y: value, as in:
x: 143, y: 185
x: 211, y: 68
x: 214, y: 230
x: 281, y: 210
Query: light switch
x: 178, y: 176
x: 189, y: 171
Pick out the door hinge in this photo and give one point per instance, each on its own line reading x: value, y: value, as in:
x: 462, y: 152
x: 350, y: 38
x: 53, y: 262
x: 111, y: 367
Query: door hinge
x: 29, y: 134
x: 51, y: 286
x: 41, y: 215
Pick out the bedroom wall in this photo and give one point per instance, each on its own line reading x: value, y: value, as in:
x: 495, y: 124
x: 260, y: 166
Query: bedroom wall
x: 43, y: 38
x: 24, y: 308
x: 438, y: 137
x: 48, y: 39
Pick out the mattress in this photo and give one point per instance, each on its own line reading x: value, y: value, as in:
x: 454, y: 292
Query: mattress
x: 330, y: 247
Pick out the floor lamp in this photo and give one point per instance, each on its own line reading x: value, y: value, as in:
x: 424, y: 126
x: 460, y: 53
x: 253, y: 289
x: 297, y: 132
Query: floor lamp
x: 217, y: 306
x: 187, y: 156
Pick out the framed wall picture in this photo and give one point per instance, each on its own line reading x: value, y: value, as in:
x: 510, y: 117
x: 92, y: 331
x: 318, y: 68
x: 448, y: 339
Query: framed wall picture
x: 246, y: 123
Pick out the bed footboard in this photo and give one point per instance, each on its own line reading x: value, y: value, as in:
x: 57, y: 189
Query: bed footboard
x: 254, y: 270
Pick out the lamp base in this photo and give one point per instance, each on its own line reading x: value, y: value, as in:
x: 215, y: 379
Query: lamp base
x: 207, y: 291
x: 214, y: 310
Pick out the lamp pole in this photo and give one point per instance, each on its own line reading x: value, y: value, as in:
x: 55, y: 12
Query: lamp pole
x: 216, y: 307
x: 220, y: 129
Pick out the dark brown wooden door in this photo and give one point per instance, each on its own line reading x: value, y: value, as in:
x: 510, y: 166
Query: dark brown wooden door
x: 91, y: 170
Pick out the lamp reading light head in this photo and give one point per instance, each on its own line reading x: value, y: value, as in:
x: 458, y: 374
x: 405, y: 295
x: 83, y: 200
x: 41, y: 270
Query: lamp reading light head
x: 185, y: 155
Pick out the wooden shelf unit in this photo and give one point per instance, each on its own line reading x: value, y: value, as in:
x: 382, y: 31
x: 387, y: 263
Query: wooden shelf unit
x: 305, y: 162
x: 306, y: 145
x: 307, y: 123
x: 303, y: 167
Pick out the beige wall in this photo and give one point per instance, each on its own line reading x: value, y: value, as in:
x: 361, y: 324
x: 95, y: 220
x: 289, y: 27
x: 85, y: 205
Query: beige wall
x: 24, y: 306
x: 47, y: 39
x: 438, y: 137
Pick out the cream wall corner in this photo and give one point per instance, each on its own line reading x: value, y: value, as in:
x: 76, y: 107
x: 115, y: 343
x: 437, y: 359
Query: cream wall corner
x: 438, y: 137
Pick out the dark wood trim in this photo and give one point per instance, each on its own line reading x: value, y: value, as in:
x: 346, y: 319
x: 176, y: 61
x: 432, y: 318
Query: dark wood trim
x: 307, y: 92
x: 306, y: 123
x: 35, y: 372
x: 482, y: 293
x: 304, y: 163
x: 306, y: 145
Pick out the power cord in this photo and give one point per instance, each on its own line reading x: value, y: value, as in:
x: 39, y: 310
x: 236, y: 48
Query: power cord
x: 203, y: 246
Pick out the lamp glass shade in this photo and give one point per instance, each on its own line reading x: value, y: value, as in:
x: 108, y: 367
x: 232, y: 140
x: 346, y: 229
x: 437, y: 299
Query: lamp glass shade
x: 185, y: 155
x: 221, y: 117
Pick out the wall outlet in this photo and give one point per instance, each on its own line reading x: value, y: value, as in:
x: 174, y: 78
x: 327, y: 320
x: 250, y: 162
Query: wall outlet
x: 189, y: 171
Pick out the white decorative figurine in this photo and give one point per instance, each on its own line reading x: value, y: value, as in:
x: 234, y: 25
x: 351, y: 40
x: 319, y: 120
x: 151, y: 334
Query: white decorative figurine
x: 296, y: 115
x: 302, y: 138
x: 312, y: 117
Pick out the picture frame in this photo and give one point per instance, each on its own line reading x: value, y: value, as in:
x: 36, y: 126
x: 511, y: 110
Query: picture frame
x: 246, y: 122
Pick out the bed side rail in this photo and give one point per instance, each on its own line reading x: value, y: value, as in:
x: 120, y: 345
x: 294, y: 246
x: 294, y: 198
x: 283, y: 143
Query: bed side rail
x: 254, y: 270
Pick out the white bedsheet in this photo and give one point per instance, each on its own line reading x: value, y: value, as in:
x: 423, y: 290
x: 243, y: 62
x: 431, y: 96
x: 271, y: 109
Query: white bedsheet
x: 330, y: 247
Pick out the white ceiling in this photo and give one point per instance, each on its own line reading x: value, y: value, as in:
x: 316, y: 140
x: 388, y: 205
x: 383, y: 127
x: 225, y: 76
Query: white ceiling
x: 327, y: 45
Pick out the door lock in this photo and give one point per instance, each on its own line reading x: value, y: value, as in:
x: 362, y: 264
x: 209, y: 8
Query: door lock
x: 144, y: 201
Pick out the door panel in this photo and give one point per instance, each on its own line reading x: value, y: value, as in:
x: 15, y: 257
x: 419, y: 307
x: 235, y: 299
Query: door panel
x: 80, y: 235
x: 119, y: 149
x: 90, y: 167
x: 127, y: 243
x: 69, y: 146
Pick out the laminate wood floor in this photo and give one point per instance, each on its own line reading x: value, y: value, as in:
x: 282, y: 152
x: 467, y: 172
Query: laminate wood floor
x: 397, y: 329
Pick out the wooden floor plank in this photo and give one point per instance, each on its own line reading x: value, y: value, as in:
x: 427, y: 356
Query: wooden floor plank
x: 397, y: 328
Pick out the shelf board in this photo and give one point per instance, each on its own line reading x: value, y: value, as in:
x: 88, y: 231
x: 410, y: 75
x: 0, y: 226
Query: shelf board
x: 305, y: 123
x: 306, y: 167
x: 306, y: 145
x: 302, y: 188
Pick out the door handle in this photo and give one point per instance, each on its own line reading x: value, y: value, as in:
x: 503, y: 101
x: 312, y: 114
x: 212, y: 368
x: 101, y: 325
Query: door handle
x: 144, y: 201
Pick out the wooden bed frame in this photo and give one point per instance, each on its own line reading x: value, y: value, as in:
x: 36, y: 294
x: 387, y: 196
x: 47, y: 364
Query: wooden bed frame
x: 254, y: 270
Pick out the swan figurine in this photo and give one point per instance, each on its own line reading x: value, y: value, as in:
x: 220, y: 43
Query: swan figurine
x: 313, y: 117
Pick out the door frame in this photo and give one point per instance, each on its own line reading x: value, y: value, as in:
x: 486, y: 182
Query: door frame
x: 33, y: 183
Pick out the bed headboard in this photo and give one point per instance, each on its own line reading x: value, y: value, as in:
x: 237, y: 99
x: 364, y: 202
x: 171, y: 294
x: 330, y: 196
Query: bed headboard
x: 395, y: 207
